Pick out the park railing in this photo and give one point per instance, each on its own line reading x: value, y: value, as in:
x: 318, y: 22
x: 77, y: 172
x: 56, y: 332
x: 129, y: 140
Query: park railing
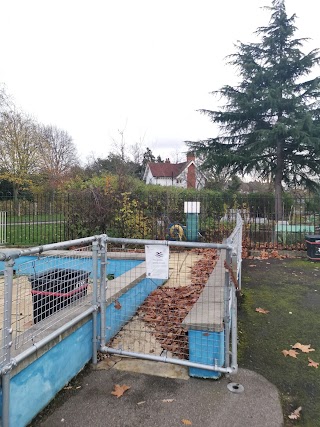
x: 52, y: 294
x: 45, y: 219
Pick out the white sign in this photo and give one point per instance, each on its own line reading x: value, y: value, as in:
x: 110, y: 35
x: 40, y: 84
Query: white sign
x: 191, y: 207
x: 157, y: 261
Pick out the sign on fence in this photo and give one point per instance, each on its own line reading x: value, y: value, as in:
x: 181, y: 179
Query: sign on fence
x: 157, y: 261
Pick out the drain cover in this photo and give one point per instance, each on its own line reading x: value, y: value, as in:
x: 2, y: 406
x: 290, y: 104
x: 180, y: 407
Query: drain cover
x: 235, y: 387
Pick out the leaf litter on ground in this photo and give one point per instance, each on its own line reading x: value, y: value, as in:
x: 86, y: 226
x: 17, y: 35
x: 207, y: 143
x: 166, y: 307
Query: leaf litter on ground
x: 291, y: 353
x: 295, y: 415
x: 262, y: 310
x: 303, y: 347
x: 119, y: 390
x: 312, y: 363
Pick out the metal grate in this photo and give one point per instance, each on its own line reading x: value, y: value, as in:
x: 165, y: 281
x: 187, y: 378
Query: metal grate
x: 158, y: 317
x: 48, y: 290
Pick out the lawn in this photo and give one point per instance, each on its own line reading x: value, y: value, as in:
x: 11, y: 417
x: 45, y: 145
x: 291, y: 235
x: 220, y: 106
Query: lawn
x: 290, y: 290
x: 34, y: 234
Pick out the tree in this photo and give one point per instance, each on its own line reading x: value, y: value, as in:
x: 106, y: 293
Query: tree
x: 19, y: 155
x: 148, y: 157
x: 159, y: 159
x: 270, y: 121
x: 58, y: 154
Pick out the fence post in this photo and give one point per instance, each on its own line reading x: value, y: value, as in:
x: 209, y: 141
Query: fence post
x: 95, y: 302
x: 227, y: 308
x: 234, y: 330
x: 7, y: 340
x: 103, y: 266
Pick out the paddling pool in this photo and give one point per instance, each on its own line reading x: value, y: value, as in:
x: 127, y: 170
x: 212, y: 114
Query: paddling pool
x: 27, y: 265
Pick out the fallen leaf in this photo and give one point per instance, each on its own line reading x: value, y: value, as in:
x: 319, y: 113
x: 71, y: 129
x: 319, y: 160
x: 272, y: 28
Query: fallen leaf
x: 187, y: 422
x: 68, y: 388
x: 117, y: 305
x: 291, y: 353
x: 252, y: 265
x: 262, y: 310
x: 167, y: 400
x: 295, y: 414
x: 303, y: 348
x: 119, y: 390
x: 141, y: 403
x: 313, y: 363
x: 77, y: 388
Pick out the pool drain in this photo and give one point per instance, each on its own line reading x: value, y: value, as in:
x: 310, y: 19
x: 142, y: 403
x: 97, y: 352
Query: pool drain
x: 235, y: 387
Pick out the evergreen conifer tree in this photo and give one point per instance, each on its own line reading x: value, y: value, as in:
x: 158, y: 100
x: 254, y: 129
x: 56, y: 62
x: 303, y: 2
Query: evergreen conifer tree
x: 270, y: 121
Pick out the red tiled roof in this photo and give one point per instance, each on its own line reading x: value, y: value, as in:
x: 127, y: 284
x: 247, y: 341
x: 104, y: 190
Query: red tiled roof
x: 165, y: 170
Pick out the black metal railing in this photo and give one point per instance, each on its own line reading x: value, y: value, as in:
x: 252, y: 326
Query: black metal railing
x: 42, y: 219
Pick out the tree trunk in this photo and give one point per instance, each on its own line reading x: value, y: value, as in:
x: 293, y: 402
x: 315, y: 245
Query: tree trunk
x: 15, y: 199
x: 278, y: 183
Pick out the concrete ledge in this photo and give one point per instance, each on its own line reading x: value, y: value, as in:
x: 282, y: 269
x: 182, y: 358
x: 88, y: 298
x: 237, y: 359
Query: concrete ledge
x: 88, y: 254
x: 205, y: 324
x: 207, y: 313
x: 116, y: 287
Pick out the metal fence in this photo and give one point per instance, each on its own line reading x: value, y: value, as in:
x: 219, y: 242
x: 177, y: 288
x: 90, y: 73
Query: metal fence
x: 45, y: 291
x: 43, y: 219
x: 171, y: 301
x: 183, y: 309
x: 182, y: 312
x: 3, y: 228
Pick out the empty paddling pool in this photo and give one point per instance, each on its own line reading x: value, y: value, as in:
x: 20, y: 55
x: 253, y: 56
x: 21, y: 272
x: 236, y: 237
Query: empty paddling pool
x: 27, y: 265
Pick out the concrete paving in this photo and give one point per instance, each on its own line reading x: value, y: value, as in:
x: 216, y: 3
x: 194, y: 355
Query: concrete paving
x: 167, y: 399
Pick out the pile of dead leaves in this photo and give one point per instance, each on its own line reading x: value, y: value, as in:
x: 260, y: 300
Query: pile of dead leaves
x: 166, y: 308
x: 202, y: 269
x: 264, y: 254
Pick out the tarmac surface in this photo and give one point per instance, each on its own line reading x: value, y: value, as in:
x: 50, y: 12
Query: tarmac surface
x: 163, y: 395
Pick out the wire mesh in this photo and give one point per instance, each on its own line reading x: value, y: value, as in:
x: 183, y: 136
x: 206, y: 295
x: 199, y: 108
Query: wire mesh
x: 48, y: 290
x: 235, y: 239
x: 157, y: 316
x: 3, y: 315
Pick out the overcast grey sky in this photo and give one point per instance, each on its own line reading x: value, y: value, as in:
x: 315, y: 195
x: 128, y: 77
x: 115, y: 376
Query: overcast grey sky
x: 93, y: 67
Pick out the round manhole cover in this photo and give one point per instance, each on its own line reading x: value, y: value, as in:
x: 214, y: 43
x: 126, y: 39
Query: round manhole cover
x: 235, y: 387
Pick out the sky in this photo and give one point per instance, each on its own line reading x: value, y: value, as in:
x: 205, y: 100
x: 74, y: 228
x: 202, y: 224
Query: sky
x: 99, y: 69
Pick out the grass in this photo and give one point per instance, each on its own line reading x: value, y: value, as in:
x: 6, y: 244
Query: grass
x: 290, y: 290
x: 27, y: 235
x: 35, y: 218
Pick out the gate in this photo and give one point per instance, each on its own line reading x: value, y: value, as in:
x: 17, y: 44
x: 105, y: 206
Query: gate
x: 177, y: 304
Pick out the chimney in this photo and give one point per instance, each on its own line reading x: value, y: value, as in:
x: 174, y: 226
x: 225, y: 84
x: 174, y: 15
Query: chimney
x: 167, y: 160
x: 191, y: 156
x: 191, y: 176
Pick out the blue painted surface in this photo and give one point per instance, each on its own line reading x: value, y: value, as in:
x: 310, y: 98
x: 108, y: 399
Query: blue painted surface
x: 34, y: 387
x: 26, y: 265
x: 130, y: 302
x: 207, y: 348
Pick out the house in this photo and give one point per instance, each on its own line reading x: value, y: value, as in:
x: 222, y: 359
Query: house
x: 183, y: 175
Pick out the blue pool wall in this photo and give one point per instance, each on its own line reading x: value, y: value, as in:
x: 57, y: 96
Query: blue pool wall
x: 130, y: 302
x: 207, y: 348
x: 38, y: 383
x: 44, y: 377
x: 27, y: 265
